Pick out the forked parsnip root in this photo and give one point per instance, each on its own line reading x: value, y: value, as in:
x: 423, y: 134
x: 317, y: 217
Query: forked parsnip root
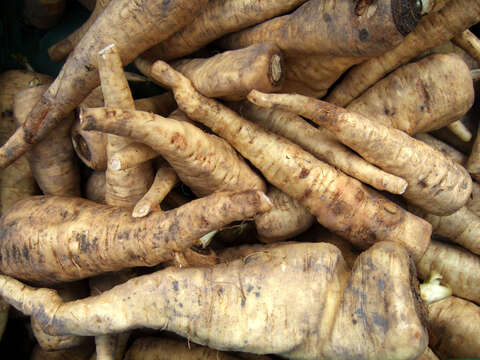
x: 76, y: 238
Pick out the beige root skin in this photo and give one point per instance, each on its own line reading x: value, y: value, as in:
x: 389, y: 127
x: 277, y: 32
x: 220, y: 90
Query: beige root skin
x: 460, y: 130
x: 219, y: 18
x: 52, y: 160
x: 459, y: 268
x: 462, y: 227
x: 454, y: 328
x: 439, y: 90
x: 449, y: 47
x: 233, y: 74
x: 123, y: 187
x: 287, y: 218
x: 348, y: 30
x: 321, y: 143
x: 428, y: 355
x: 339, y: 202
x: 314, y: 74
x: 435, y: 183
x: 131, y: 155
x: 433, y: 29
x: 165, y: 180
x: 76, y: 238
x: 60, y: 50
x: 249, y: 289
x: 468, y: 42
x: 136, y: 29
x: 205, y: 163
x: 169, y: 349
x: 95, y: 188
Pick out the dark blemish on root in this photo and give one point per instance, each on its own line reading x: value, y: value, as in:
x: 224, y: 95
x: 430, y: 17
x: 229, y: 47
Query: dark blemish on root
x: 354, y: 322
x: 89, y: 68
x: 380, y: 321
x: 363, y: 35
x: 304, y: 173
x: 422, y: 183
x: 381, y: 284
x: 26, y: 252
x: 249, y: 289
x: 257, y: 294
x: 243, y: 302
x: 327, y: 18
x: 175, y: 285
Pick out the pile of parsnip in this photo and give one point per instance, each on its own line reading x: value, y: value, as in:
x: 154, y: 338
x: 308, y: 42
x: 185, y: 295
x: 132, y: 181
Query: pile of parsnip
x: 282, y: 197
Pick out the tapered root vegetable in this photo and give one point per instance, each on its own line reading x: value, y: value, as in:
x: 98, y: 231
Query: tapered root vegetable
x: 95, y: 188
x: 473, y: 162
x: 133, y: 27
x: 339, y: 202
x: 43, y: 14
x: 459, y: 268
x: 72, y: 240
x: 435, y: 183
x: 232, y: 74
x: 462, y: 227
x: 131, y: 155
x: 333, y: 318
x: 468, y: 42
x: 169, y: 349
x: 123, y: 187
x: 165, y: 180
x: 434, y: 29
x: 52, y: 160
x: 229, y: 16
x: 439, y: 90
x: 287, y: 218
x: 341, y: 28
x: 204, y: 162
x: 454, y: 328
x: 321, y: 143
x: 60, y: 50
x: 460, y: 130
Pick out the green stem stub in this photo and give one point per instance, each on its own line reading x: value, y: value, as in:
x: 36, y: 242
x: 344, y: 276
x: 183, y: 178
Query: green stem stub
x: 432, y: 291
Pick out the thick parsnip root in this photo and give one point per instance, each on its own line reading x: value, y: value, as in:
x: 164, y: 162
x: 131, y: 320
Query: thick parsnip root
x: 468, y: 42
x: 459, y: 268
x: 454, y: 328
x: 95, y: 188
x: 462, y: 227
x: 433, y: 29
x: 287, y: 218
x: 60, y: 50
x: 219, y: 17
x: 321, y: 143
x: 435, y: 183
x: 205, y: 163
x: 421, y: 96
x: 233, y: 74
x: 165, y: 180
x: 333, y: 318
x: 169, y: 349
x: 339, y: 202
x: 131, y: 155
x: 133, y: 26
x: 76, y: 238
x: 52, y: 160
x: 329, y: 27
x: 123, y: 187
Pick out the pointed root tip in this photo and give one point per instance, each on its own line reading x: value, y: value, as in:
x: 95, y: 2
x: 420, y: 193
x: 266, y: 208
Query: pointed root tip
x: 59, y: 51
x: 258, y: 98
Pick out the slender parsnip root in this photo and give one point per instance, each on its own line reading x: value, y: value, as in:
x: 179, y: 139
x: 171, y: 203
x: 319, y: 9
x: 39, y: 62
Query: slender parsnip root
x: 60, y: 50
x: 287, y: 218
x: 454, y: 328
x: 460, y: 131
x: 321, y: 143
x: 169, y: 349
x: 421, y: 96
x: 76, y: 238
x: 219, y: 17
x: 233, y: 74
x: 123, y: 187
x: 131, y: 155
x: 433, y: 29
x: 165, y: 180
x: 329, y: 317
x: 133, y: 26
x: 468, y: 42
x: 459, y: 268
x: 204, y: 162
x: 339, y: 202
x: 435, y: 183
x: 52, y: 160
